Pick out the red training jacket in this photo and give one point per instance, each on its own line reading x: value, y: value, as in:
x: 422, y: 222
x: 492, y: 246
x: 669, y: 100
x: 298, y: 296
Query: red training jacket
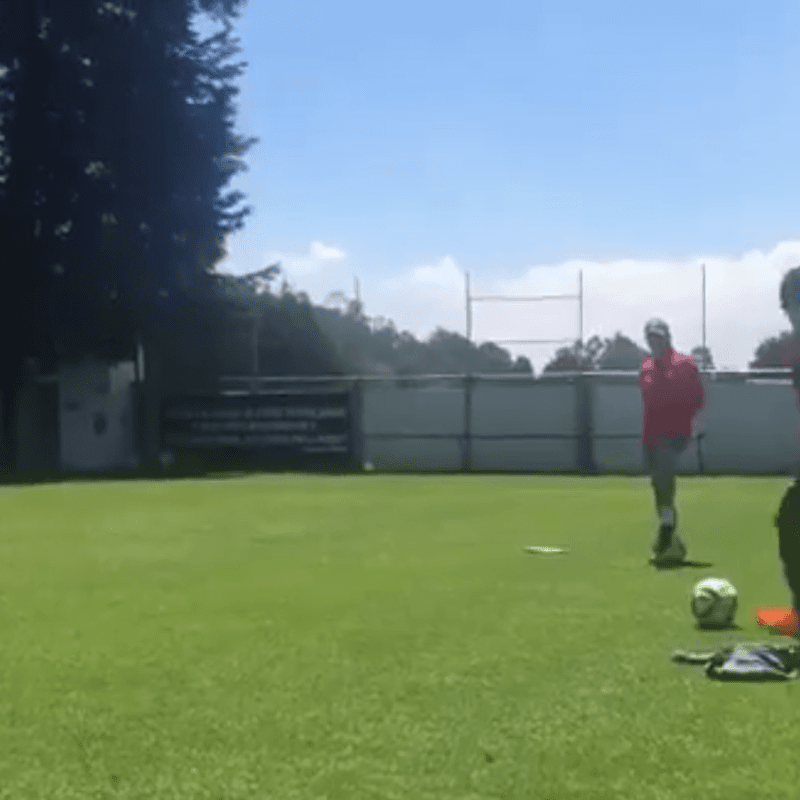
x: 672, y: 394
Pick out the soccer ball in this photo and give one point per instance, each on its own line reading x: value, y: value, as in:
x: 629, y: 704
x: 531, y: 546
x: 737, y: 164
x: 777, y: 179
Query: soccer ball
x: 714, y: 602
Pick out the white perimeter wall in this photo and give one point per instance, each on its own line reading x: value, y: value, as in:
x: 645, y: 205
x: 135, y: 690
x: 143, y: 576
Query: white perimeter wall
x: 413, y: 426
x: 749, y: 426
x: 521, y: 411
x: 421, y: 426
x: 85, y: 391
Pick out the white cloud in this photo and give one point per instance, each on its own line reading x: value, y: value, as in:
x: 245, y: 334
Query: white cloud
x: 420, y: 300
x: 444, y: 275
x: 306, y: 265
x: 321, y: 252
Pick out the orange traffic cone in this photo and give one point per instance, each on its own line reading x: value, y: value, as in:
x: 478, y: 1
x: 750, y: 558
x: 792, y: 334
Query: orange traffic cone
x: 779, y: 619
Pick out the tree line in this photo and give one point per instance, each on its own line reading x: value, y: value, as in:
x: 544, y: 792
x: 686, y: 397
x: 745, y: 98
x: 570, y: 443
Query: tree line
x: 343, y: 339
x: 117, y: 143
x: 622, y: 353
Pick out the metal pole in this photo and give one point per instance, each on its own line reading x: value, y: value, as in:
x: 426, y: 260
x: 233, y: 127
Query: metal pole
x: 255, y: 345
x: 469, y: 311
x: 358, y: 294
x: 466, y: 463
x: 704, y: 310
x: 580, y: 308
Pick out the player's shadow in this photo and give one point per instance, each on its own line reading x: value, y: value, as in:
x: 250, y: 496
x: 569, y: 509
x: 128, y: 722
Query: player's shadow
x: 684, y: 565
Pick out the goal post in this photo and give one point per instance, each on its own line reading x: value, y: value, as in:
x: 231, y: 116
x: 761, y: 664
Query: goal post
x: 470, y: 299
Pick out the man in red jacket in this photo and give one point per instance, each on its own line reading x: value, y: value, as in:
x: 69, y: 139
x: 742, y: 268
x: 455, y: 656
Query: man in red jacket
x: 672, y: 394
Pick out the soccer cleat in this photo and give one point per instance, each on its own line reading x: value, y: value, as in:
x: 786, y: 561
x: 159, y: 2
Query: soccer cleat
x: 779, y: 619
x: 673, y: 553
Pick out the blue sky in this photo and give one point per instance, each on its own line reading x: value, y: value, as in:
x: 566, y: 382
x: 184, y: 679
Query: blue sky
x: 522, y: 142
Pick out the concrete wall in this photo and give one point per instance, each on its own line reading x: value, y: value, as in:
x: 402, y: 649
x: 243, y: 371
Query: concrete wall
x: 750, y: 426
x: 413, y: 425
x: 96, y: 416
x: 516, y: 425
x: 523, y: 426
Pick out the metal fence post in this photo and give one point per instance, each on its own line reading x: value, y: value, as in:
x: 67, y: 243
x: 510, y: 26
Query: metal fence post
x: 466, y: 464
x: 357, y: 423
x: 583, y: 412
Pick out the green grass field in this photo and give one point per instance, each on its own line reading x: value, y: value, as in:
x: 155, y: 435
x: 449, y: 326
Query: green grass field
x: 380, y: 636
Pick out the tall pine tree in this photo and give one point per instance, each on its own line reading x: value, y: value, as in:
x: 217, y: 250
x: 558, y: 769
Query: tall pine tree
x: 117, y: 144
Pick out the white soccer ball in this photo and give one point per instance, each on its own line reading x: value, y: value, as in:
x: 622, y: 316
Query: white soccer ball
x: 714, y: 602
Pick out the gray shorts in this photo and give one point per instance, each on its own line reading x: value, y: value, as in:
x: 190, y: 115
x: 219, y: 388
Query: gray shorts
x: 662, y: 456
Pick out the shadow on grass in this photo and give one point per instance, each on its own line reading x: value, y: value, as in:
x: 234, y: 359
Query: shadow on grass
x: 156, y: 474
x: 718, y: 628
x: 684, y: 565
x: 22, y: 478
x: 191, y: 469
